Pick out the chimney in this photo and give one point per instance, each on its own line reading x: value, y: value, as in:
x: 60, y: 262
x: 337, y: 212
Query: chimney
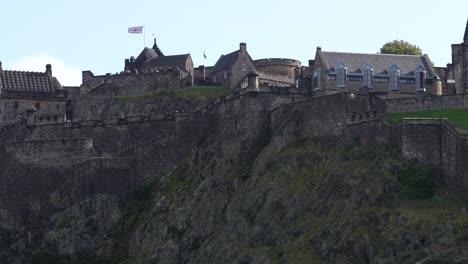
x: 48, y: 70
x: 311, y: 63
x: 319, y: 48
x: 243, y: 47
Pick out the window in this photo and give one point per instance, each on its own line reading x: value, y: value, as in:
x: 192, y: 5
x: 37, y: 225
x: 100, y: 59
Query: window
x: 243, y: 67
x: 420, y: 81
x: 341, y: 74
x: 368, y: 76
x: 317, y: 79
x: 394, y: 74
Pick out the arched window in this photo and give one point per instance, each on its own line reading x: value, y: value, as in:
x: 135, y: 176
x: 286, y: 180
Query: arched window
x: 394, y: 78
x: 341, y: 73
x: 368, y: 76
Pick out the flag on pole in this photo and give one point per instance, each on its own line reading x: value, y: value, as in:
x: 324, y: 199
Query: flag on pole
x: 204, y: 56
x: 135, y: 30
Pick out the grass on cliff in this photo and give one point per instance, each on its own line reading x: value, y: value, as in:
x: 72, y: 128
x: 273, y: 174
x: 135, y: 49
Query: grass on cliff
x: 459, y: 117
x: 190, y: 92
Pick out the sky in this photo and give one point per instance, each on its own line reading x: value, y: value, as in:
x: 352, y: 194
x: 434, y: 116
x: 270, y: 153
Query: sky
x: 93, y: 34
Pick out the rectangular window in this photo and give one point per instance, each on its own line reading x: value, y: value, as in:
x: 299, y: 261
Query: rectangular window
x: 420, y: 81
x: 317, y: 83
x: 395, y: 80
x: 341, y: 74
x: 367, y: 78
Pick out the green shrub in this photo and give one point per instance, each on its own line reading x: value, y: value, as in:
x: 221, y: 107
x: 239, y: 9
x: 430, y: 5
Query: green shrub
x: 416, y: 181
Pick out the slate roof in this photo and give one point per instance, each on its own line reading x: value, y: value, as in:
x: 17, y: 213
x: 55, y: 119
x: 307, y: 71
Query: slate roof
x: 169, y: 61
x: 226, y: 61
x: 146, y: 54
x: 379, y: 62
x: 27, y: 81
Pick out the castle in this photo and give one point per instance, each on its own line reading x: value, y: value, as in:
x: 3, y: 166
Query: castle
x: 339, y: 97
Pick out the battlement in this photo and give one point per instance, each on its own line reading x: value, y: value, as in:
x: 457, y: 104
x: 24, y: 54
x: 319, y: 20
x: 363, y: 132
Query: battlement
x: 278, y: 62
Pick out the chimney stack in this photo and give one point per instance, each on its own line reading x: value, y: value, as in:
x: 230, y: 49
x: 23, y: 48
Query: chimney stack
x: 49, y: 70
x: 243, y: 47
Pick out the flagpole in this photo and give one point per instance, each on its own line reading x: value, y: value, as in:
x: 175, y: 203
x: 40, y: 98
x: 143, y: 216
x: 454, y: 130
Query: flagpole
x: 144, y: 36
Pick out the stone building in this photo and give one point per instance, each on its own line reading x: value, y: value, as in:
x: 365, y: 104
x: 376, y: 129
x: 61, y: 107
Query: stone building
x: 152, y: 60
x: 202, y: 75
x: 231, y: 70
x: 277, y: 71
x: 385, y: 74
x: 457, y: 71
x: 21, y: 90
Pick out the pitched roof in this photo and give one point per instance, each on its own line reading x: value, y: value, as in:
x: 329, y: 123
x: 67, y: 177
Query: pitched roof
x: 465, y: 38
x: 225, y: 61
x: 169, y: 61
x: 27, y: 81
x: 146, y: 54
x: 379, y: 62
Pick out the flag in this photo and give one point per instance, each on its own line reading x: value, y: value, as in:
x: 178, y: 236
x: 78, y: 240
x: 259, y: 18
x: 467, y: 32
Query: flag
x: 204, y: 56
x: 135, y: 30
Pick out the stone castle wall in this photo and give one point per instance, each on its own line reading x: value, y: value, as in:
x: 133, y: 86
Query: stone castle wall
x: 411, y: 104
x: 127, y: 84
x: 431, y: 141
x: 13, y: 109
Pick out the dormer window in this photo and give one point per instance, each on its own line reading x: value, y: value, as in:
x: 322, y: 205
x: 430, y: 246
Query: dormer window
x: 341, y: 73
x: 420, y: 79
x: 368, y: 76
x: 317, y: 83
x: 394, y: 78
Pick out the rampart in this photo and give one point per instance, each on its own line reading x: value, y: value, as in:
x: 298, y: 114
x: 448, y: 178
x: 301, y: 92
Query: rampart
x: 321, y: 117
x: 432, y: 141
x: 50, y: 145
x: 130, y: 83
x: 411, y: 104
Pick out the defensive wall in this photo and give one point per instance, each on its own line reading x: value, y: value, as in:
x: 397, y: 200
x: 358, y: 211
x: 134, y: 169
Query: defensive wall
x: 109, y: 135
x: 411, y: 104
x: 131, y: 83
x: 348, y: 118
x: 436, y: 142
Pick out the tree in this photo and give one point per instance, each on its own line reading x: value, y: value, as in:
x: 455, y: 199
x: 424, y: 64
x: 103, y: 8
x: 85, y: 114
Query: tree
x: 400, y: 47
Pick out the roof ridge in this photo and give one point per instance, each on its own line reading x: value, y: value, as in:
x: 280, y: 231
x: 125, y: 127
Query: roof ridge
x: 377, y: 54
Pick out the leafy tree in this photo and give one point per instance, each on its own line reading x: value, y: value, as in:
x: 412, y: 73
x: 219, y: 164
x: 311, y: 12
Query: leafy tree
x: 400, y: 47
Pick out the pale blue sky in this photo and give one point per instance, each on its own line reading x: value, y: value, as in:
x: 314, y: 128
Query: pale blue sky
x: 92, y: 34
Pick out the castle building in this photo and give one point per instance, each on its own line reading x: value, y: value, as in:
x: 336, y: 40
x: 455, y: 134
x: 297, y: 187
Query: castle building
x: 152, y: 60
x: 386, y: 74
x: 277, y: 72
x: 231, y: 70
x: 457, y: 71
x: 21, y: 90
